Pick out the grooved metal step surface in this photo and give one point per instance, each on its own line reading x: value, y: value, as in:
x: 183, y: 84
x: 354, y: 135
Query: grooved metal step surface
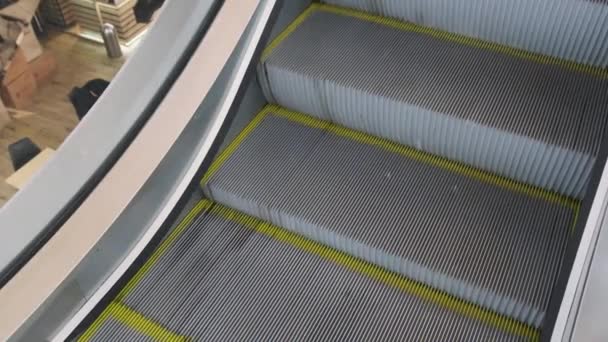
x: 114, y: 330
x: 226, y: 276
x: 537, y: 123
x: 118, y: 322
x: 490, y: 241
x: 572, y: 30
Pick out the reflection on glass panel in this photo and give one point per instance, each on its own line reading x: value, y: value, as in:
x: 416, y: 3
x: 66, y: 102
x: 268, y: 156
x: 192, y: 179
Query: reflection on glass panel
x: 57, y: 58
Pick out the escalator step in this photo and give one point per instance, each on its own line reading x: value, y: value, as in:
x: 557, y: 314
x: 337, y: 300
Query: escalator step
x: 537, y: 123
x: 571, y: 30
x: 112, y: 329
x: 119, y: 323
x: 485, y: 239
x: 225, y: 276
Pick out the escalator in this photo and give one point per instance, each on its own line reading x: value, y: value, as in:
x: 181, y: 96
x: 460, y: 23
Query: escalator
x: 403, y: 182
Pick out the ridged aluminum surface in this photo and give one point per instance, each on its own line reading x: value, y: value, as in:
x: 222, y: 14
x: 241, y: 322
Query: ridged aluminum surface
x: 114, y: 330
x: 536, y: 123
x: 488, y: 245
x: 222, y: 281
x: 575, y: 30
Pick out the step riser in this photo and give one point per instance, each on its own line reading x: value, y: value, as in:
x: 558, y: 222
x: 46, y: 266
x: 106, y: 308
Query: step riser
x: 452, y: 229
x: 540, y: 124
x: 414, y: 271
x: 259, y: 282
x: 513, y: 156
x: 571, y: 30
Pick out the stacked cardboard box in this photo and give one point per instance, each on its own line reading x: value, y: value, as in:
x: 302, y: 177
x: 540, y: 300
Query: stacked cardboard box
x: 22, y: 78
x: 29, y: 44
x: 18, y: 83
x: 21, y: 10
x: 43, y: 67
x: 24, y: 65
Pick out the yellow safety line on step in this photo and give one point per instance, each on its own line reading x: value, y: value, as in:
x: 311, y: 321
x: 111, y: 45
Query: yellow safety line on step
x: 201, y: 206
x: 235, y: 216
x: 133, y: 320
x: 427, y: 158
x: 436, y: 33
x: 375, y: 272
x: 461, y: 39
x: 227, y: 152
x: 577, y: 210
x: 94, y: 328
x: 275, y: 42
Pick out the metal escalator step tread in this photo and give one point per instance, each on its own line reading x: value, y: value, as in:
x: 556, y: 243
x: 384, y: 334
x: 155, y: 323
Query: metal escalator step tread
x: 481, y: 238
x: 120, y: 323
x: 112, y: 329
x: 163, y: 247
x: 517, y: 26
x: 538, y: 123
x: 232, y: 277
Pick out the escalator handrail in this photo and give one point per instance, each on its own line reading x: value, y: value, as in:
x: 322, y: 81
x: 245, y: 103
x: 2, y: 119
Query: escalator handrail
x: 156, y: 212
x: 37, y: 281
x: 37, y: 211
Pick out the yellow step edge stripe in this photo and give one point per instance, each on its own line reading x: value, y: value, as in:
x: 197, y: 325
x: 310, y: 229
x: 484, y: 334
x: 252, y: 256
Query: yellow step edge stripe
x: 201, y: 206
x: 577, y: 211
x: 227, y: 152
x: 436, y: 33
x: 465, y: 40
x: 390, y: 146
x: 94, y: 328
x: 428, y: 158
x: 235, y: 216
x: 116, y: 307
x: 234, y: 145
x: 145, y: 326
x: 389, y: 278
x: 133, y: 320
x: 288, y: 30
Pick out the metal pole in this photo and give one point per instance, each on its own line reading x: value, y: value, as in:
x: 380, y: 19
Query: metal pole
x: 110, y: 40
x: 109, y: 35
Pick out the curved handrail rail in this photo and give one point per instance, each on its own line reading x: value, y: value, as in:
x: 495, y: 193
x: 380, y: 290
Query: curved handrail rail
x: 36, y: 283
x: 34, y: 214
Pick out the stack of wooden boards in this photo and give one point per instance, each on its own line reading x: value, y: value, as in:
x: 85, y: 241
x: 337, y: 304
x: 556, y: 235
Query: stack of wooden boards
x: 58, y: 12
x: 84, y: 13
